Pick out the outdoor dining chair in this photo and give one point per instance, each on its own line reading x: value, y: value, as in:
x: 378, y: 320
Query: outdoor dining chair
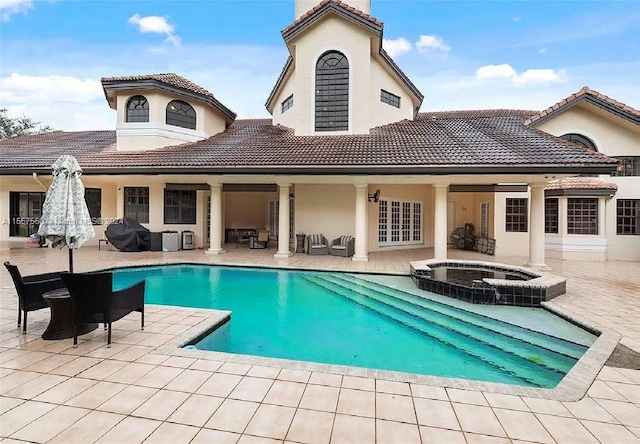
x: 94, y: 300
x: 30, y: 290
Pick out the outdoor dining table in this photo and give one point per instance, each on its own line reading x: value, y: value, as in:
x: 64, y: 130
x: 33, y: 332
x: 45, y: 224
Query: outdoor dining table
x: 61, y: 323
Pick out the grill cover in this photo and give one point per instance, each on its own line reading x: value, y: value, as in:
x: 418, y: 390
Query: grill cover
x: 127, y: 234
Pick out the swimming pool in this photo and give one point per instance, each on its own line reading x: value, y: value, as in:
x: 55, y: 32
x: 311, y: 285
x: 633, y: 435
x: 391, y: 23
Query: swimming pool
x: 349, y: 319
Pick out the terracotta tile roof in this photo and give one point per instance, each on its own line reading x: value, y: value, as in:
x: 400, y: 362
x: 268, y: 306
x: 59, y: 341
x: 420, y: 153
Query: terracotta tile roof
x: 39, y: 151
x: 324, y: 4
x: 580, y: 183
x: 480, y: 142
x: 584, y: 92
x: 171, y: 80
x: 166, y: 78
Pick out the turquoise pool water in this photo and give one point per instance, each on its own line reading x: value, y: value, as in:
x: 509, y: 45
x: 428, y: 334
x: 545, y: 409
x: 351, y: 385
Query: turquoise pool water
x: 346, y: 319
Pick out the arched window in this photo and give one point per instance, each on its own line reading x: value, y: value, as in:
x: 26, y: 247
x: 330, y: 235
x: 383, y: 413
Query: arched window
x: 332, y: 92
x: 182, y: 114
x: 138, y: 109
x: 579, y: 139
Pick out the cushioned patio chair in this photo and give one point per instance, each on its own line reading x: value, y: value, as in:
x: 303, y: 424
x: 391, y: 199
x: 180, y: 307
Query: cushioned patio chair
x: 263, y: 239
x: 94, y: 300
x: 343, y: 246
x: 30, y: 290
x: 317, y: 244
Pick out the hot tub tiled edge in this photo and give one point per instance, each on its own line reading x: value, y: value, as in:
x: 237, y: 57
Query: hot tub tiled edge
x: 542, y: 287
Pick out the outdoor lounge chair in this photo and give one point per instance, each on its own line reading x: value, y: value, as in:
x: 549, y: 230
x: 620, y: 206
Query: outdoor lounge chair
x: 95, y: 301
x: 30, y: 290
x: 343, y: 246
x: 317, y: 244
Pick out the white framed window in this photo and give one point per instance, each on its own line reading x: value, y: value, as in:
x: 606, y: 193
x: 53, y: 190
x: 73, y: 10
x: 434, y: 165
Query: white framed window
x: 484, y: 219
x: 399, y: 222
x: 274, y: 217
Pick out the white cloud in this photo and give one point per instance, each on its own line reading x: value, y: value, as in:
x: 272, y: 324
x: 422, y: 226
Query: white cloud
x: 516, y: 18
x: 62, y: 102
x: 429, y: 42
x: 528, y: 77
x: 397, y: 46
x: 542, y: 51
x: 540, y: 76
x: 10, y: 7
x: 157, y: 25
x: 504, y: 71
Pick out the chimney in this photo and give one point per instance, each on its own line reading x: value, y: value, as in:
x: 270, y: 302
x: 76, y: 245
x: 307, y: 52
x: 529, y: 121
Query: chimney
x: 302, y: 6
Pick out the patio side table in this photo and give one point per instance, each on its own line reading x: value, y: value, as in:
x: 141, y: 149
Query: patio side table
x: 61, y: 322
x: 300, y: 243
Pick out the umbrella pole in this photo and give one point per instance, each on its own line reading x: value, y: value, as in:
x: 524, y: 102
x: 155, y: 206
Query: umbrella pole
x: 70, y: 260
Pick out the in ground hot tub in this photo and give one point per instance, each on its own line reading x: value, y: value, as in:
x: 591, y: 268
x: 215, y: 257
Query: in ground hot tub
x: 487, y: 283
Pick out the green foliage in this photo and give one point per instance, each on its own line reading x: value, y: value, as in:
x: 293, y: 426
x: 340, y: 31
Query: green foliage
x: 19, y: 126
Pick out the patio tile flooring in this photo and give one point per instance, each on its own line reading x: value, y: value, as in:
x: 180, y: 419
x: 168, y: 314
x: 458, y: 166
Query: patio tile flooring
x: 51, y: 392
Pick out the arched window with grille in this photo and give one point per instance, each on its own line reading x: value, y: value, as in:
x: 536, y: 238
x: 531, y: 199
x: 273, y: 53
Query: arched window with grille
x: 138, y: 109
x: 181, y: 114
x: 332, y: 92
x: 579, y: 139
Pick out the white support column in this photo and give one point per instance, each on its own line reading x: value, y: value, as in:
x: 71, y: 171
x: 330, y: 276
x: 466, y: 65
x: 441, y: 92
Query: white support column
x: 536, y: 226
x: 440, y: 234
x: 283, y: 222
x: 120, y: 202
x: 215, y: 233
x: 361, y: 253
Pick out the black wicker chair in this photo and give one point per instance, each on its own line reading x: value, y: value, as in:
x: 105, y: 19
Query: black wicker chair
x: 95, y: 301
x: 30, y: 290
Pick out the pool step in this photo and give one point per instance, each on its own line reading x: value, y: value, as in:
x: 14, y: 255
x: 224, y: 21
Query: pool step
x: 501, y: 340
x: 523, y: 369
x: 531, y: 369
x: 550, y: 343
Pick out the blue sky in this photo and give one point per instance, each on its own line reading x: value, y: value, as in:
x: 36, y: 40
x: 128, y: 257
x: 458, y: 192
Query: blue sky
x: 462, y: 55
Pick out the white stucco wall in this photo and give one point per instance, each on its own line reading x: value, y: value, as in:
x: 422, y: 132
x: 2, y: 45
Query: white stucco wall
x: 368, y: 75
x: 288, y: 118
x: 615, y: 137
x: 302, y: 6
x: 382, y: 113
x: 622, y: 247
x: 508, y: 243
x: 332, y: 33
x: 326, y: 209
x: 138, y: 136
x: 247, y: 209
x: 611, y: 134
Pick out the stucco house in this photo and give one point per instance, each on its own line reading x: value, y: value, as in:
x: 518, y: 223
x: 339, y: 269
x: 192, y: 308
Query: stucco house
x: 345, y: 123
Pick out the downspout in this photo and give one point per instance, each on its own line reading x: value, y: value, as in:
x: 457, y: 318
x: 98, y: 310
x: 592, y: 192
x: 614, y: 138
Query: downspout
x: 35, y: 177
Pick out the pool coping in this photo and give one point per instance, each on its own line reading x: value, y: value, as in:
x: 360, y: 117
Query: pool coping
x: 572, y: 387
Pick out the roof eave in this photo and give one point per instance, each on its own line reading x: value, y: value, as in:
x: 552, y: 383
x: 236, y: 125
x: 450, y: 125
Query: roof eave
x: 396, y: 69
x: 335, y: 169
x: 155, y: 84
x: 591, y: 99
x: 291, y: 31
x: 284, y: 74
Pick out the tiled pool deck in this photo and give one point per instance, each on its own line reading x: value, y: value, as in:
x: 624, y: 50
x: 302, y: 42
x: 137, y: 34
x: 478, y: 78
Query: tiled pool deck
x: 135, y: 392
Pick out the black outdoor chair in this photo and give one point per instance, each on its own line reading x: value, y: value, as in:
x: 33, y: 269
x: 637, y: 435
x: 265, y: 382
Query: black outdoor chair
x: 30, y: 290
x: 95, y: 301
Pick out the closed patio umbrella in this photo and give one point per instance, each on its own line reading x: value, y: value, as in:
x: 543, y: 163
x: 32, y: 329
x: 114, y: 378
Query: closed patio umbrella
x: 65, y: 218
